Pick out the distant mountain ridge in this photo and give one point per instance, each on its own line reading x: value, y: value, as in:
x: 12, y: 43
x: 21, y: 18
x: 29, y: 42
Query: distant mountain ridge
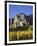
x: 30, y: 19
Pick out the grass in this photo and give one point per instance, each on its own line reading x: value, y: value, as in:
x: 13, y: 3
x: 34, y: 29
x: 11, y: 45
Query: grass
x: 21, y: 34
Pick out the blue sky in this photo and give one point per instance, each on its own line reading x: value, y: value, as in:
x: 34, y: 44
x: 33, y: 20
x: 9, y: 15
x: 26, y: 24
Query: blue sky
x: 14, y: 9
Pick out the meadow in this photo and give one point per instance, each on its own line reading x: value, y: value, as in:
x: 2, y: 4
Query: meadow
x: 21, y: 34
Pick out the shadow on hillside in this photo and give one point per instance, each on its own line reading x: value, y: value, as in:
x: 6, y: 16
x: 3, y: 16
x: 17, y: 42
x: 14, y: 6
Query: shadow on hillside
x: 19, y: 28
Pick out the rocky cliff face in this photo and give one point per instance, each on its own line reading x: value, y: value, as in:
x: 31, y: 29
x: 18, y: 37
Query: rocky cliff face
x: 22, y: 19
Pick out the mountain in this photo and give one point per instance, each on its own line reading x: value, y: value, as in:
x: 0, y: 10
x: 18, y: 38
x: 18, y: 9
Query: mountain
x: 30, y: 19
x: 22, y: 19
